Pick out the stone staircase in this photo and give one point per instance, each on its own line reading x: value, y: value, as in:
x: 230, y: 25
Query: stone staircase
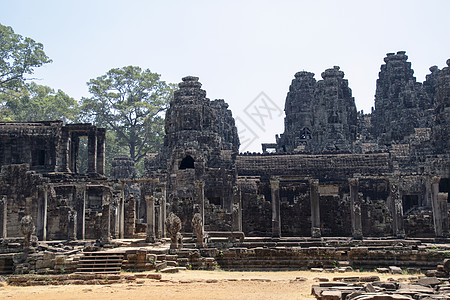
x: 100, y: 262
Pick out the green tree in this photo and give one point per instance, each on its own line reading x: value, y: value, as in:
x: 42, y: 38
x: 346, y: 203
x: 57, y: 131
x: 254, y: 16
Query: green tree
x: 38, y: 103
x: 18, y: 57
x: 130, y: 101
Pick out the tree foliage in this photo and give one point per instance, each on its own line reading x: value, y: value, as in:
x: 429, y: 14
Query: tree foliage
x: 130, y: 101
x: 18, y: 57
x: 37, y: 103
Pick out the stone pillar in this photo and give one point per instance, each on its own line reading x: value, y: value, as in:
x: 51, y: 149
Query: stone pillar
x: 106, y: 222
x: 72, y: 225
x: 74, y: 149
x: 42, y: 216
x: 63, y: 161
x: 3, y: 216
x: 315, y: 208
x: 200, y: 199
x: 92, y: 151
x: 163, y: 211
x: 80, y: 208
x: 276, y: 216
x: 150, y: 201
x: 440, y: 210
x: 101, y: 151
x: 122, y: 213
x: 237, y: 210
x: 396, y: 202
x: 129, y: 217
x: 442, y: 197
x: 159, y: 220
x: 355, y: 209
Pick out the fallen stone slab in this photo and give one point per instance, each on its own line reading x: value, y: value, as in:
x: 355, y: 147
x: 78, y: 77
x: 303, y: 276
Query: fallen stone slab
x: 369, y: 278
x: 429, y: 281
x: 331, y: 295
x: 154, y: 276
x: 381, y: 296
x: 395, y: 270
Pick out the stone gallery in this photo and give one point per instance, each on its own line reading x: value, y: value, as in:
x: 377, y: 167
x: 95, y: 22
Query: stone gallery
x: 334, y: 177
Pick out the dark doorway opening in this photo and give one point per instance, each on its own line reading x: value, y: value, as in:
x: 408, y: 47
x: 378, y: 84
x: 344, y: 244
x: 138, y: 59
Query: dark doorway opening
x: 409, y: 202
x: 38, y: 157
x: 214, y: 200
x: 444, y: 185
x: 187, y: 163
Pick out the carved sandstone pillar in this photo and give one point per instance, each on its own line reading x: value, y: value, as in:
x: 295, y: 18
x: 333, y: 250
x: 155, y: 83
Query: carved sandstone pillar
x: 101, y: 151
x: 64, y: 153
x: 237, y: 210
x: 355, y: 209
x: 3, y: 216
x: 42, y: 216
x: 440, y: 210
x: 397, y: 205
x: 276, y: 217
x: 315, y: 208
x: 200, y: 199
x: 162, y: 203
x: 80, y: 208
x: 150, y: 201
x: 106, y: 222
x: 92, y: 151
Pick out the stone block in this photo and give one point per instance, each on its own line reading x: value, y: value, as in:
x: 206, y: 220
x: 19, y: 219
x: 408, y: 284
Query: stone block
x: 331, y: 295
x: 395, y: 270
x: 161, y: 265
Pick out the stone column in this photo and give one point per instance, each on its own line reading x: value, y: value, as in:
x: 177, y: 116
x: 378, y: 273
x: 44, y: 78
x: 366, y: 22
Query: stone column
x: 3, y: 216
x: 150, y: 201
x: 72, y: 225
x: 74, y: 149
x: 64, y: 153
x: 41, y: 231
x: 355, y: 209
x: 440, y: 210
x: 80, y: 208
x: 396, y: 202
x: 442, y: 197
x: 101, y: 151
x: 276, y: 216
x: 200, y: 201
x: 237, y: 210
x: 122, y: 213
x: 106, y: 222
x: 129, y: 217
x: 159, y: 221
x: 92, y: 151
x: 315, y: 208
x: 163, y: 211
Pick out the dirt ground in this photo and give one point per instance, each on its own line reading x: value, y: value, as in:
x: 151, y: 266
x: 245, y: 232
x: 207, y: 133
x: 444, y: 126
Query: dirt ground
x: 192, y: 285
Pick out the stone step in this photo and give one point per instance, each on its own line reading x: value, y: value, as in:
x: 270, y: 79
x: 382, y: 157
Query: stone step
x: 100, y: 262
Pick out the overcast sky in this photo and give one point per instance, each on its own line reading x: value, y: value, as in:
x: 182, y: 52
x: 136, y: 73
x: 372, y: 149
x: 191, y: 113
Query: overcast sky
x: 239, y: 49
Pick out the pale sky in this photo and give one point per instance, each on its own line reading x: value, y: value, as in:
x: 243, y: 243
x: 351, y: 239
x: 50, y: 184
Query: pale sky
x: 237, y: 48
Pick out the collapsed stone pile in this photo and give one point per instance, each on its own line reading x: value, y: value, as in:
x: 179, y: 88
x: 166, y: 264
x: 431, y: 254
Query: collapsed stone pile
x: 359, y: 288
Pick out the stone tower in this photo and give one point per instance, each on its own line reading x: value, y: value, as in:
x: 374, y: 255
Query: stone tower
x: 401, y: 103
x: 299, y: 109
x: 335, y: 114
x: 320, y: 116
x: 441, y: 128
x: 199, y: 153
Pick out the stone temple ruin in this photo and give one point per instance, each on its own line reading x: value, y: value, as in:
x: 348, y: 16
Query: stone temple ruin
x: 338, y: 185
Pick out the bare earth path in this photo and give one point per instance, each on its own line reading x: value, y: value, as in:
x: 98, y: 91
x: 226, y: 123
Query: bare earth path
x: 191, y: 285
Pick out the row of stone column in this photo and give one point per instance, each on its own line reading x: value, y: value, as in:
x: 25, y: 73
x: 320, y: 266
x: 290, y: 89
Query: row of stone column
x: 96, y: 150
x: 438, y: 201
x: 152, y: 210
